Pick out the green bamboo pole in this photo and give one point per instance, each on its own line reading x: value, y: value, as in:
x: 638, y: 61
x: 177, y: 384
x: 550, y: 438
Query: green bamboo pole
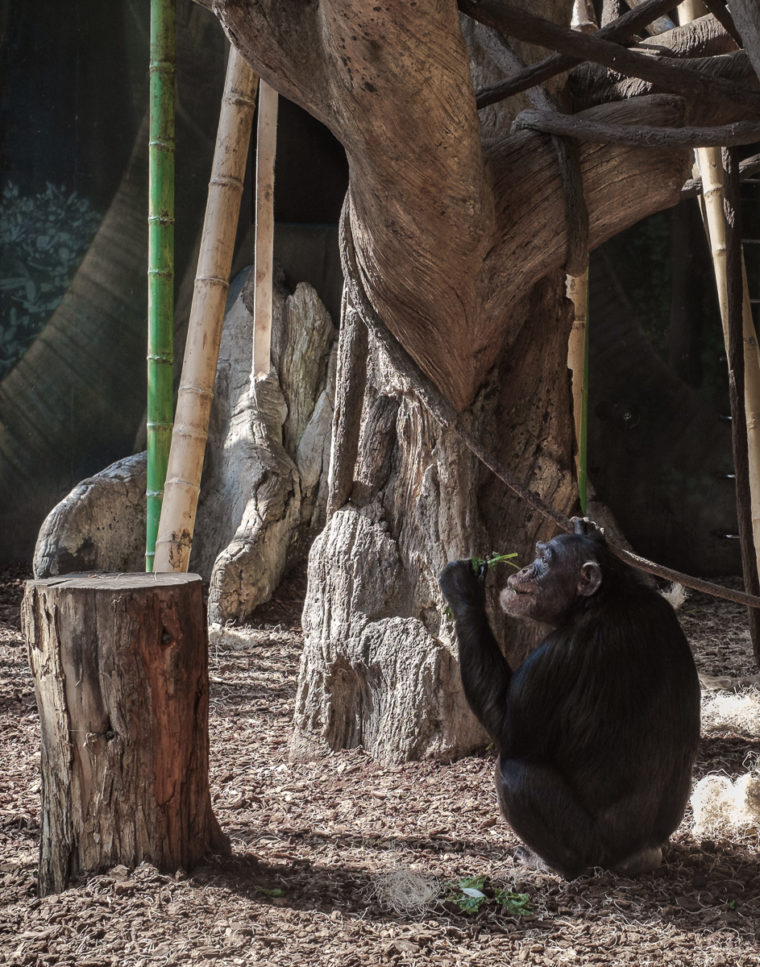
x: 160, y: 261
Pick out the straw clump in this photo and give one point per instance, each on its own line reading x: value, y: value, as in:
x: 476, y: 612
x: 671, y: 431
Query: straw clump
x: 405, y: 891
x: 723, y: 806
x: 732, y: 712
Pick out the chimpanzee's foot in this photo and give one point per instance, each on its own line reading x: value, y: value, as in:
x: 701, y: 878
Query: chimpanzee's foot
x: 642, y: 862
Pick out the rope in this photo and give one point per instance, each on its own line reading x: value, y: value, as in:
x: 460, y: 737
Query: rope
x: 447, y: 416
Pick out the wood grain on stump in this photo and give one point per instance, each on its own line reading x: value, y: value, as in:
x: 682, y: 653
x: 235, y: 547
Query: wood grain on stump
x: 121, y: 680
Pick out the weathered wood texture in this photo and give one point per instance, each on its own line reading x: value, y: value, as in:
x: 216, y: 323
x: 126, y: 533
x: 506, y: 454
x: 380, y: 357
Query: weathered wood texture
x: 265, y: 475
x: 121, y: 679
x: 352, y: 376
x: 473, y: 214
x: 379, y: 669
x: 461, y: 235
x: 746, y: 16
x: 528, y: 77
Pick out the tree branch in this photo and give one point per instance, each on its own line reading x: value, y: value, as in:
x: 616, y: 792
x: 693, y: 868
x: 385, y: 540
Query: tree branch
x: 280, y: 40
x: 450, y: 234
x: 645, y: 136
x: 618, y: 30
x: 590, y: 84
x: 667, y: 73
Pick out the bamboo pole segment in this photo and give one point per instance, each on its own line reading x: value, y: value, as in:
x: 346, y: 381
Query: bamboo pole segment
x: 160, y: 262
x: 583, y: 18
x: 711, y: 170
x: 196, y: 390
x: 713, y: 195
x: 266, y: 148
x: 577, y: 363
x: 735, y: 299
x: 710, y: 165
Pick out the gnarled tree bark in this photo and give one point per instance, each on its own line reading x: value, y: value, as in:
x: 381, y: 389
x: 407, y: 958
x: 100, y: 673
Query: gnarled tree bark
x: 461, y: 236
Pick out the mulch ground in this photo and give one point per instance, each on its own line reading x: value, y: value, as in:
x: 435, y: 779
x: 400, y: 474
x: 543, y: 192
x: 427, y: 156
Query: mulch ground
x: 348, y: 862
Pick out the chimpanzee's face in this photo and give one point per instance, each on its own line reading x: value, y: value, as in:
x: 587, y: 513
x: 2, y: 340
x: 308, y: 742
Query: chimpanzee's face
x: 564, y: 570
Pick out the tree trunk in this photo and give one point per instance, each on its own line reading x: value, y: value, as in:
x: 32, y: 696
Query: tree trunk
x: 461, y: 231
x: 379, y: 668
x: 121, y: 678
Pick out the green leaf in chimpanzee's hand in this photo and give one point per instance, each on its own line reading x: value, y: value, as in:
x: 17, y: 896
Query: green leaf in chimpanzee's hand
x: 481, y: 563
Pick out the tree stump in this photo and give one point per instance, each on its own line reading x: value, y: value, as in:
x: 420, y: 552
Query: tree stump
x: 121, y: 680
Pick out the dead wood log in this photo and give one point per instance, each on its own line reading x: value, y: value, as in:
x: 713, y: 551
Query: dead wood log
x: 121, y: 679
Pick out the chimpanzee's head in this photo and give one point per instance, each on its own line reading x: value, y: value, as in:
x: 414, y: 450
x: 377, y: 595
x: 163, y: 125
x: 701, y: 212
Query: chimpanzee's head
x: 566, y: 571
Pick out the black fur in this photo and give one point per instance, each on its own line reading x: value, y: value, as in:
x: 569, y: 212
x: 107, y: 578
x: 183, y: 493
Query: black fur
x: 597, y: 730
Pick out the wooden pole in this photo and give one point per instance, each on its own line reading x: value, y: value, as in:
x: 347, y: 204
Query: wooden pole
x: 577, y: 363
x: 121, y: 679
x: 583, y: 18
x: 745, y: 462
x: 711, y: 170
x: 266, y: 149
x: 196, y: 389
x: 710, y: 165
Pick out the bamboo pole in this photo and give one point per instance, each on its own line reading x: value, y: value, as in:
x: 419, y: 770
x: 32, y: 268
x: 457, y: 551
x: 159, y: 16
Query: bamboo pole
x: 196, y: 390
x: 160, y: 262
x: 735, y: 298
x: 713, y: 196
x: 577, y: 363
x: 583, y: 19
x: 710, y: 165
x: 266, y: 148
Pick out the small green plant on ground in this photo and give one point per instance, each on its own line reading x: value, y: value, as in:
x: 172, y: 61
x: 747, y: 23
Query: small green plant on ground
x: 42, y: 240
x: 473, y: 893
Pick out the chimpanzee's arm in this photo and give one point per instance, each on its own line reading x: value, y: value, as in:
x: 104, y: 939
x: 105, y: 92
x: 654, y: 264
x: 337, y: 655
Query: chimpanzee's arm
x: 485, y: 672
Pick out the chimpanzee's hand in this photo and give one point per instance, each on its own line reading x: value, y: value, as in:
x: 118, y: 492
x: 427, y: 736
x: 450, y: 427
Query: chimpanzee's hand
x: 461, y: 586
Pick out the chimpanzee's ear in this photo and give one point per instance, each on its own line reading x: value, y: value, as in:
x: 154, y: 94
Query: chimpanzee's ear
x: 589, y: 579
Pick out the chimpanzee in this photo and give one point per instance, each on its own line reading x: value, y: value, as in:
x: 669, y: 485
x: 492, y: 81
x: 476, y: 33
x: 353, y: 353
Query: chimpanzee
x: 597, y: 729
